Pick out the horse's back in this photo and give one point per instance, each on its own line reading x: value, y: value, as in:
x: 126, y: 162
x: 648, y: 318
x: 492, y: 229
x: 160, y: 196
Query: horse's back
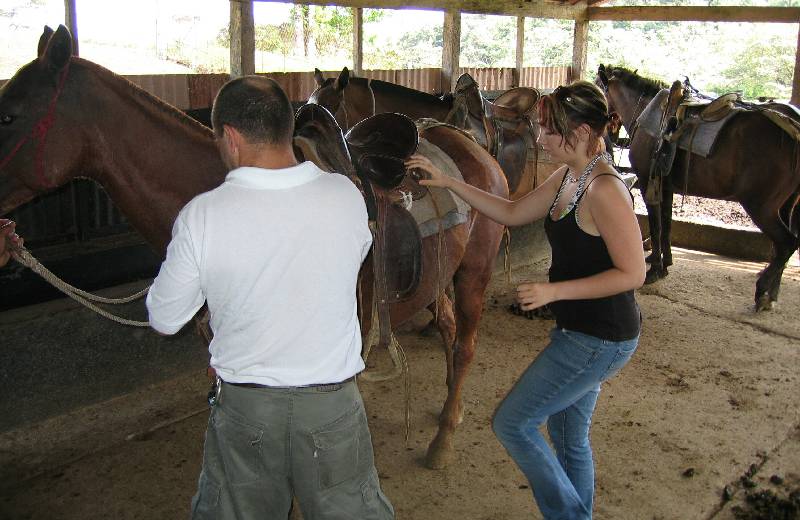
x: 476, y: 165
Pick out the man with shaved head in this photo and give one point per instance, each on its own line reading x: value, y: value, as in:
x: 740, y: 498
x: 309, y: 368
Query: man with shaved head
x: 275, y: 253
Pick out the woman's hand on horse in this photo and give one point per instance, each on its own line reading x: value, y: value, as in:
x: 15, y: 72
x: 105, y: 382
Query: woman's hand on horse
x: 531, y: 295
x: 434, y: 176
x: 8, y: 240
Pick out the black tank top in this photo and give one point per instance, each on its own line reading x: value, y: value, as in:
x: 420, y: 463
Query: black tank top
x: 577, y: 254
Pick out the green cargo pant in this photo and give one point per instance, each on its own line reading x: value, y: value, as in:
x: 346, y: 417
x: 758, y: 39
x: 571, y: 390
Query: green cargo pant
x: 264, y: 445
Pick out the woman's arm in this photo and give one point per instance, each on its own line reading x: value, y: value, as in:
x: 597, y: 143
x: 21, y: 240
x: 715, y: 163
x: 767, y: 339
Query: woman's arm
x: 613, y: 215
x: 529, y: 208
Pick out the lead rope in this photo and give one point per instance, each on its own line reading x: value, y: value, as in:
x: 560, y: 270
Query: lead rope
x: 24, y: 257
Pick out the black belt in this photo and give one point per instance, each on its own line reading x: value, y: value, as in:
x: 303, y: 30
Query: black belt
x: 324, y: 386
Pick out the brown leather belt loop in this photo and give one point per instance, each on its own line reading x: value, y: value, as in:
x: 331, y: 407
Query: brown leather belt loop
x: 325, y: 386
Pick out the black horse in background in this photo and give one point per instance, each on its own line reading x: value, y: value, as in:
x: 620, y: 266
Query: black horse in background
x: 753, y: 162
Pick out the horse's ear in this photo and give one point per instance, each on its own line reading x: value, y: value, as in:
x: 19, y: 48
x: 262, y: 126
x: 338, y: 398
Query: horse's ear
x: 43, y: 39
x: 318, y: 77
x: 58, y: 49
x: 343, y: 79
x: 601, y: 73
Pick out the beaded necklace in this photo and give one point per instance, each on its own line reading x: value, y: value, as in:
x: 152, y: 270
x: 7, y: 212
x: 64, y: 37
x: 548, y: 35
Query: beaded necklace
x: 581, y: 185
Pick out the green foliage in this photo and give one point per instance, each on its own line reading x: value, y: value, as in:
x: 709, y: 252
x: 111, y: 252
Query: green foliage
x: 762, y: 69
x: 488, y: 41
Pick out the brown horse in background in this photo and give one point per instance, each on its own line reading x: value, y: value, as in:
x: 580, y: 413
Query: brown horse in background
x: 63, y: 117
x: 351, y: 99
x: 754, y: 162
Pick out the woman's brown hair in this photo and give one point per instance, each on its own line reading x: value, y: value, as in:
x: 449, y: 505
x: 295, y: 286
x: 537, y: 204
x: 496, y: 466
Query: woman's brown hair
x: 568, y: 107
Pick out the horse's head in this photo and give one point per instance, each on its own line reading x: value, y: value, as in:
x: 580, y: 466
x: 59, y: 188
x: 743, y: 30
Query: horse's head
x: 627, y: 92
x: 330, y: 94
x: 318, y: 138
x: 38, y: 149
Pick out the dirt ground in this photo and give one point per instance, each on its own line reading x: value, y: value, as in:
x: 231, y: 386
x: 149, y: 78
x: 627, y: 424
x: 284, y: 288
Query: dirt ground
x: 710, y: 397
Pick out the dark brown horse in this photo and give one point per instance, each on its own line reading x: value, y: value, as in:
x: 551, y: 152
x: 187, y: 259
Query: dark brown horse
x: 754, y: 162
x: 507, y: 132
x: 63, y: 117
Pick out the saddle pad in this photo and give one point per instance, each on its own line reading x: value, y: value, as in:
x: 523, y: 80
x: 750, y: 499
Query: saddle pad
x: 704, y: 137
x: 786, y: 123
x: 452, y: 210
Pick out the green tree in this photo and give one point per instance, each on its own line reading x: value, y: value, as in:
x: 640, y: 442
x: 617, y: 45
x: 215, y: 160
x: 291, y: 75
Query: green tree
x: 762, y: 69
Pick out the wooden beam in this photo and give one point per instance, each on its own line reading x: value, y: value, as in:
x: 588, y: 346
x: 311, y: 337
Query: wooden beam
x: 451, y: 49
x: 796, y: 78
x: 71, y: 21
x: 530, y: 8
x: 243, y: 39
x: 579, y: 50
x: 696, y: 14
x: 520, y: 51
x: 358, y: 41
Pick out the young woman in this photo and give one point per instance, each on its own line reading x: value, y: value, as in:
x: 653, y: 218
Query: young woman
x: 597, y: 263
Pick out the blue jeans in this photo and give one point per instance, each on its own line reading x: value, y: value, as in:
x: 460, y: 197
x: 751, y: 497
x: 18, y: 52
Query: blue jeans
x: 561, y: 387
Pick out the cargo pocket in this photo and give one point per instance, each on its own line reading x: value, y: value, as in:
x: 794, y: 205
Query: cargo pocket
x: 205, y: 503
x: 342, y: 448
x: 239, y: 446
x: 376, y: 504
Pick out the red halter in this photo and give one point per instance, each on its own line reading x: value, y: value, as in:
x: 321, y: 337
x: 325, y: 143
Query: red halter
x: 39, y: 132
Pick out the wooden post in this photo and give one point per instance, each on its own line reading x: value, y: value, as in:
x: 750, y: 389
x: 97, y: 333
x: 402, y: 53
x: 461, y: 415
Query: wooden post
x: 71, y: 21
x: 451, y: 49
x: 358, y: 41
x: 520, y: 51
x: 796, y: 78
x: 243, y: 38
x: 579, y: 49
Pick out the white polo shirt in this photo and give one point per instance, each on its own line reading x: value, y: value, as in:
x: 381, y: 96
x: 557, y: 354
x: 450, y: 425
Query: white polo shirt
x: 276, y: 254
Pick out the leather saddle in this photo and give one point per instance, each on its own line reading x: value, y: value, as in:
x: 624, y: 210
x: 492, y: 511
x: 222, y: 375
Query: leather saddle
x: 503, y: 127
x: 380, y: 144
x: 373, y: 160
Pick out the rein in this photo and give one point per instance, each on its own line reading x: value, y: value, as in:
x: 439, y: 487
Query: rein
x: 24, y: 257
x: 40, y: 131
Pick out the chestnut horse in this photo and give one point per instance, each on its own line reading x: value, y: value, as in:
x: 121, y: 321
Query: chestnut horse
x: 352, y: 99
x: 63, y: 117
x: 754, y: 162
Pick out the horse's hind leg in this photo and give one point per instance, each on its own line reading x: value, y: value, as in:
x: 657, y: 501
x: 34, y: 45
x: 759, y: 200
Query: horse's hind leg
x: 445, y: 323
x: 784, y: 244
x: 470, y: 283
x: 666, y: 228
x: 656, y: 271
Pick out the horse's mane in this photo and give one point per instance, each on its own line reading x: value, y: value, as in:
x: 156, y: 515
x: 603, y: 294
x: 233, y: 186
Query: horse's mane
x: 632, y: 80
x: 139, y: 93
x: 399, y: 90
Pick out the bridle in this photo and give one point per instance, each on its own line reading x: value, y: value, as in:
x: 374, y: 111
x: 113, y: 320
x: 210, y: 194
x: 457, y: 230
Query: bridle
x: 40, y: 131
x: 630, y: 125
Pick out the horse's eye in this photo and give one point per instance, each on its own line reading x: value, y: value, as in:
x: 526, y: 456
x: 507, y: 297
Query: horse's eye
x: 6, y: 119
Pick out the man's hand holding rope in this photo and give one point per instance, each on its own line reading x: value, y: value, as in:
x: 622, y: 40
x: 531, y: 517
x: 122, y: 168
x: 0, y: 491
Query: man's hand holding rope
x: 8, y: 240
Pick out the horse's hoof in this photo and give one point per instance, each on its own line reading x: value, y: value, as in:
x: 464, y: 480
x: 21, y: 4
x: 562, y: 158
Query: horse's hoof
x: 440, y: 454
x: 763, y: 303
x: 650, y: 258
x: 654, y: 275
